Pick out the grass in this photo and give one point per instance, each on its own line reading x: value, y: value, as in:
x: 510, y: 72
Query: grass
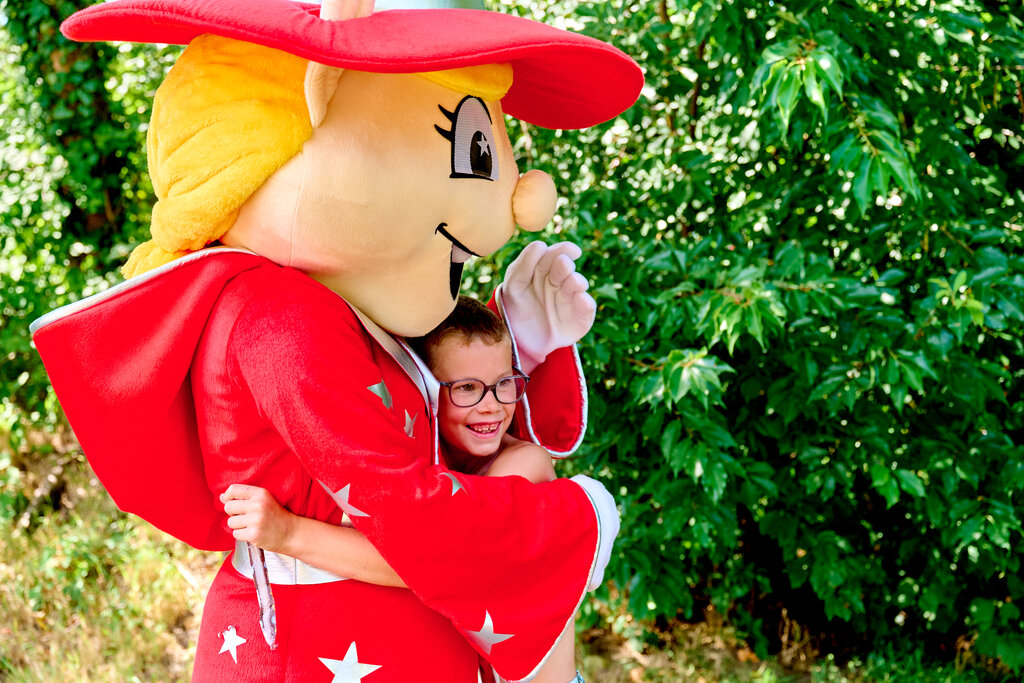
x: 90, y: 594
x: 87, y: 593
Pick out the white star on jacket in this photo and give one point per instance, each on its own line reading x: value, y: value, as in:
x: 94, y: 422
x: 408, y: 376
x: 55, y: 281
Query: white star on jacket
x: 486, y: 638
x: 381, y: 390
x: 341, y: 498
x: 231, y: 642
x: 456, y: 484
x: 350, y: 669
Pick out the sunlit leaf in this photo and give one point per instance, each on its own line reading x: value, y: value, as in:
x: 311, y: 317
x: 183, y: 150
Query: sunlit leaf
x: 862, y: 186
x: 829, y: 68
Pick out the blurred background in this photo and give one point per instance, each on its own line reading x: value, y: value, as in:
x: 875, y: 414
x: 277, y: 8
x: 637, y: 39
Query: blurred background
x: 806, y: 242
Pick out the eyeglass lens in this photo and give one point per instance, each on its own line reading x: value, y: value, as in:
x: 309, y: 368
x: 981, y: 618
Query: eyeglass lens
x: 469, y: 392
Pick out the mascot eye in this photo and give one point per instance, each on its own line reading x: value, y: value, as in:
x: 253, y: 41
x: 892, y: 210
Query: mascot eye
x: 473, y: 151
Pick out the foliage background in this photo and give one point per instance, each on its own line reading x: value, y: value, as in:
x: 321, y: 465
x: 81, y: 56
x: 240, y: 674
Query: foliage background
x: 806, y: 245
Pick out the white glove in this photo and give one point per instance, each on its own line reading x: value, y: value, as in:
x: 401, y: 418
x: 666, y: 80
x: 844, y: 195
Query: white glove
x: 546, y: 301
x: 607, y: 524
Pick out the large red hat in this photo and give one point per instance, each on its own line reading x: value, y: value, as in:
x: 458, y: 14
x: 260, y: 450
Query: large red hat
x: 561, y: 79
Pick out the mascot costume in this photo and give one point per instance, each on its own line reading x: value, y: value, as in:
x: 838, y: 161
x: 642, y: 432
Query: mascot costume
x: 322, y: 175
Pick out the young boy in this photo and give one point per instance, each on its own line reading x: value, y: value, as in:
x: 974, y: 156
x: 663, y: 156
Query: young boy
x: 470, y: 354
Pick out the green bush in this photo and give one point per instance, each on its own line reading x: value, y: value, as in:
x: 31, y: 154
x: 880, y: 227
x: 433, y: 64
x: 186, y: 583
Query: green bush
x: 74, y: 193
x: 807, y: 248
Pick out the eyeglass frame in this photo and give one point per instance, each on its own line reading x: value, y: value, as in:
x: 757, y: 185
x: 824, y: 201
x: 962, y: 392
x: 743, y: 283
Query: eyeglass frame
x: 493, y: 388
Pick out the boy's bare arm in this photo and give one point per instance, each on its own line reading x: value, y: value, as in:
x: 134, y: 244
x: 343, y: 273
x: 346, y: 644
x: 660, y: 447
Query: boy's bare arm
x: 256, y: 517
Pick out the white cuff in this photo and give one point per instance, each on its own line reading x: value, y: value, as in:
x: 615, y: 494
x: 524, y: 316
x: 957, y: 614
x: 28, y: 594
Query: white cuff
x: 607, y: 525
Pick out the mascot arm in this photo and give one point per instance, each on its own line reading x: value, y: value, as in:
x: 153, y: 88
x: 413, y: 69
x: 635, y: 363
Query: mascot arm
x: 554, y: 412
x: 507, y: 561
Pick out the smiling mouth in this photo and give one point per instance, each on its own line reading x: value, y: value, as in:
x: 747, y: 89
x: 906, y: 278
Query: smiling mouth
x: 484, y: 429
x: 460, y: 254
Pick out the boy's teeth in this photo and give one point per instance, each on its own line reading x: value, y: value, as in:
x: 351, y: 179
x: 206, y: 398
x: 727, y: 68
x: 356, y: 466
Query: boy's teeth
x: 482, y: 429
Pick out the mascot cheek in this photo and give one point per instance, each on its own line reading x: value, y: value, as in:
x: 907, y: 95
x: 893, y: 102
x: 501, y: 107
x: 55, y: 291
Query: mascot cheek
x: 426, y: 279
x: 265, y: 222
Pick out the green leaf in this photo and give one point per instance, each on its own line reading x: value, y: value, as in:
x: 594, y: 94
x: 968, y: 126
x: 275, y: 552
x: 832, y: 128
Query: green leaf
x: 862, y: 189
x: 829, y: 68
x: 786, y: 93
x: 910, y: 483
x: 977, y: 311
x: 901, y: 169
x: 846, y: 154
x: 715, y: 480
x: 959, y: 281
x: 813, y: 90
x: 753, y: 319
x: 880, y: 474
x: 983, y: 611
x: 670, y: 437
x: 880, y: 176
x: 959, y: 321
x: 987, y: 275
x: 885, y: 484
x: 678, y: 381
x: 608, y: 291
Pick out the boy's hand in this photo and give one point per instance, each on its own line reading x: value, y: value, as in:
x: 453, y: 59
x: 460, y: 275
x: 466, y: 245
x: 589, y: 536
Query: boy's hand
x: 257, y: 518
x: 546, y: 301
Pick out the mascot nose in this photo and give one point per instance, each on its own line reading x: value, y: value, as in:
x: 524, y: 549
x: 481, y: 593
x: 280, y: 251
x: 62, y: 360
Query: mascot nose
x: 533, y: 202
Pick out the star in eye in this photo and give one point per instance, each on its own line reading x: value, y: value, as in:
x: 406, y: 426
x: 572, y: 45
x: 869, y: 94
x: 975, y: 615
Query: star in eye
x: 485, y: 146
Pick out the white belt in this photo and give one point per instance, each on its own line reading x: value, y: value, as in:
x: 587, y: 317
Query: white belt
x: 281, y: 569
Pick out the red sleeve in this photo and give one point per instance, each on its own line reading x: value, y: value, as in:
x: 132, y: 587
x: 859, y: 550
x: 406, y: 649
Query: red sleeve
x: 554, y: 412
x: 507, y: 561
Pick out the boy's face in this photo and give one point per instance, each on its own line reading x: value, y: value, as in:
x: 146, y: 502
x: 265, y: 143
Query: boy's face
x: 475, y: 431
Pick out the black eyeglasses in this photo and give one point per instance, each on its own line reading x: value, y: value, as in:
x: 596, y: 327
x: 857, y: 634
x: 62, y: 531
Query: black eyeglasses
x: 466, y: 393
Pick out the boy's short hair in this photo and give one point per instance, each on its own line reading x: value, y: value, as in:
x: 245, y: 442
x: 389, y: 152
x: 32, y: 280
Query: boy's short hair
x: 470, y: 320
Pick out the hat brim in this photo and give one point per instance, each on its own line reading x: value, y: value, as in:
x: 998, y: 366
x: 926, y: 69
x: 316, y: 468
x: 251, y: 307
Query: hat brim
x: 561, y: 79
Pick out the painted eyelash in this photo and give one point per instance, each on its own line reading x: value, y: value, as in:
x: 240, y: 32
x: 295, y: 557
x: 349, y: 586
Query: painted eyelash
x: 447, y: 134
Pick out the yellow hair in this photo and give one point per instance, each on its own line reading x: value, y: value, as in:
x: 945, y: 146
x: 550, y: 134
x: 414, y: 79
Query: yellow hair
x: 488, y: 81
x: 229, y: 114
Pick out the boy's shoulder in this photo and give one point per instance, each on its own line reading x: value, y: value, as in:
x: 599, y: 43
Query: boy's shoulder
x: 523, y: 458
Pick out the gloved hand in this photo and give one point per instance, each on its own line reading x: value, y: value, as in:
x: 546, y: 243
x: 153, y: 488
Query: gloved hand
x: 607, y: 522
x: 546, y: 301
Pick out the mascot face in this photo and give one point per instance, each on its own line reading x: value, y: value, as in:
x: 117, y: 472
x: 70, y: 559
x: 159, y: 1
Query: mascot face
x: 402, y: 182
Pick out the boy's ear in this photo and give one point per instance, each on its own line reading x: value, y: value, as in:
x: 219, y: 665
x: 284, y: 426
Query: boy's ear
x: 322, y: 80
